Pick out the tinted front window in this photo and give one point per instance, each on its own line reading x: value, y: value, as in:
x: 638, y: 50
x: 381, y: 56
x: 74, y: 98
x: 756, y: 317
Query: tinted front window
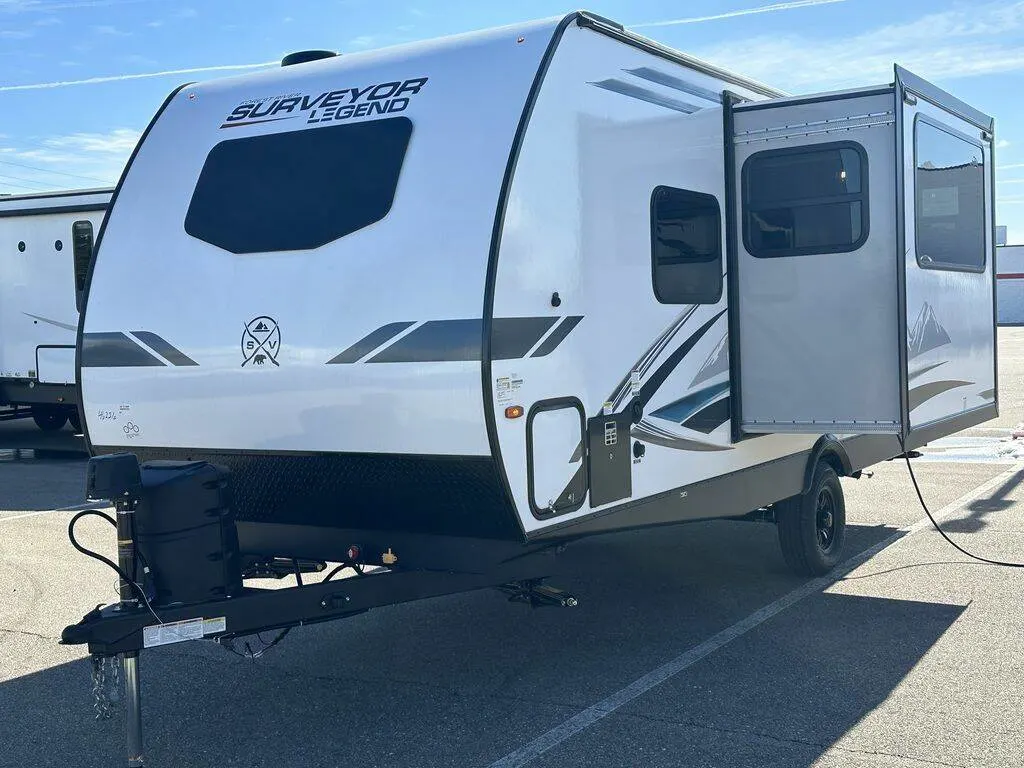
x: 950, y: 191
x: 686, y: 247
x: 806, y: 200
x: 300, y: 189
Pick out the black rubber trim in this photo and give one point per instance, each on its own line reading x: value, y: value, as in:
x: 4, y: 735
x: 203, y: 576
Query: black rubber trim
x: 557, y: 336
x: 753, y: 106
x: 555, y: 404
x: 164, y: 348
x: 732, y: 275
x: 96, y: 250
x: 80, y: 208
x: 826, y: 445
x: 902, y: 321
x: 486, y: 391
x: 370, y: 342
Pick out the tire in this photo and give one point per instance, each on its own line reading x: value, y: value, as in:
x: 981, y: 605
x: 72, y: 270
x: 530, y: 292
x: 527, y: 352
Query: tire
x: 76, y: 421
x: 812, y: 526
x: 49, y: 418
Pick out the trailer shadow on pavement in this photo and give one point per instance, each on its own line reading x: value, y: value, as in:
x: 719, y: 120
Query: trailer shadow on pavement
x: 463, y: 680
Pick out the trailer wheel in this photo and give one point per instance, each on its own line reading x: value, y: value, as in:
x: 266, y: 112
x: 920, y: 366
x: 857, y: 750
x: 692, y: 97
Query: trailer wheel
x: 49, y: 418
x: 76, y: 421
x: 812, y: 525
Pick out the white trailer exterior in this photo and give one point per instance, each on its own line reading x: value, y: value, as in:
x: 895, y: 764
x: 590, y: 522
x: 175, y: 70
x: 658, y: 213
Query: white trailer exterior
x: 46, y: 240
x: 547, y: 280
x: 1010, y: 281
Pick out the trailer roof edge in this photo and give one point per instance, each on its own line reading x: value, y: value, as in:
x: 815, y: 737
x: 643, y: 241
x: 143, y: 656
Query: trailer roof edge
x: 918, y: 85
x: 613, y: 29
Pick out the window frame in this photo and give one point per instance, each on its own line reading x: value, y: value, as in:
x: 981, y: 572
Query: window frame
x: 719, y: 257
x: 941, y: 265
x: 863, y: 197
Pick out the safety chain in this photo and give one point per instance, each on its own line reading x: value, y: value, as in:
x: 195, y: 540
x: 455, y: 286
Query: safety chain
x: 106, y: 680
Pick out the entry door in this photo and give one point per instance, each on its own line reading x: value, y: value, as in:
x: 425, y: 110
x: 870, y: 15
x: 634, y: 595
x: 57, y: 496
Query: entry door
x: 816, y: 290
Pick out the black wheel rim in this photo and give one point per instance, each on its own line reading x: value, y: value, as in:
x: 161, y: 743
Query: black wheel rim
x: 825, y: 519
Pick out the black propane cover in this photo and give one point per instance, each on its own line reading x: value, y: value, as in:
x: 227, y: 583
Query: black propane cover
x: 185, y: 531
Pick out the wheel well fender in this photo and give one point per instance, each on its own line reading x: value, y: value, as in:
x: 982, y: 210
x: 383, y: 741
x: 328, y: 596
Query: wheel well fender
x: 831, y: 451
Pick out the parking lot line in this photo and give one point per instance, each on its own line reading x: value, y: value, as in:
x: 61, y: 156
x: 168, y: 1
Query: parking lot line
x: 74, y: 508
x: 688, y: 658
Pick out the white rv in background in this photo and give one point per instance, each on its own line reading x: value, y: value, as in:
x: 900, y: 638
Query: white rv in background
x: 46, y: 243
x: 1010, y: 284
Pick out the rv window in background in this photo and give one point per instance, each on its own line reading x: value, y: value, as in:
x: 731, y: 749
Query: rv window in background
x: 805, y: 200
x: 686, y: 247
x: 299, y: 189
x: 81, y: 249
x: 950, y: 199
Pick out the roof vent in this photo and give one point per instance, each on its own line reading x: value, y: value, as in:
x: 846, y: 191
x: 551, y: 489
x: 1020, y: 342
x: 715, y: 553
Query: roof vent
x: 301, y: 57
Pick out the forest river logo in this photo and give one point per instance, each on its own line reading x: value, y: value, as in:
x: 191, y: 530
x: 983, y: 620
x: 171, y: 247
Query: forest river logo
x: 328, y: 106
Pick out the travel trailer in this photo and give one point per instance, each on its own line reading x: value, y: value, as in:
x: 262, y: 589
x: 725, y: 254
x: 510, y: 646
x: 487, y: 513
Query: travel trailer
x: 434, y: 311
x: 1010, y: 282
x: 47, y: 242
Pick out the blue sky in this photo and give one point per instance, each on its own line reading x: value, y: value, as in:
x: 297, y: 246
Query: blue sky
x: 62, y: 133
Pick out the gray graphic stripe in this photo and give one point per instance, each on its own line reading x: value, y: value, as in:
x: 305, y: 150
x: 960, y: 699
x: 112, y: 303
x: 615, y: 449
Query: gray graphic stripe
x: 65, y: 326
x: 435, y: 341
x: 114, y: 350
x: 438, y: 341
x: 513, y: 337
x: 925, y: 392
x: 370, y: 342
x: 663, y: 78
x: 557, y: 336
x: 645, y: 94
x: 162, y: 347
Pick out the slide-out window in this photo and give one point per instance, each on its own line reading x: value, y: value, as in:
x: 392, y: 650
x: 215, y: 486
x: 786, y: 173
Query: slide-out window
x: 805, y: 200
x: 298, y: 189
x: 950, y: 199
x: 686, y: 247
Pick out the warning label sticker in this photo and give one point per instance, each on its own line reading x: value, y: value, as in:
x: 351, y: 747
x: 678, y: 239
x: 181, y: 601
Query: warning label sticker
x: 180, y: 631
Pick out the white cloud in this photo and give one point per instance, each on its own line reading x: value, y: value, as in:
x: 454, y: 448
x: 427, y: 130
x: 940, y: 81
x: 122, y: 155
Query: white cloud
x: 956, y: 43
x: 109, y: 29
x: 1002, y: 144
x: 1008, y: 167
x: 155, y: 23
x: 774, y: 7
x: 66, y: 161
x: 15, y: 34
x: 363, y: 41
x: 132, y: 76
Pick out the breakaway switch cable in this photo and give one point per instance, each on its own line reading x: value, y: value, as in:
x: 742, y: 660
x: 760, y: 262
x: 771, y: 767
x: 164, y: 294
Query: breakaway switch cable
x: 106, y: 561
x: 936, y: 524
